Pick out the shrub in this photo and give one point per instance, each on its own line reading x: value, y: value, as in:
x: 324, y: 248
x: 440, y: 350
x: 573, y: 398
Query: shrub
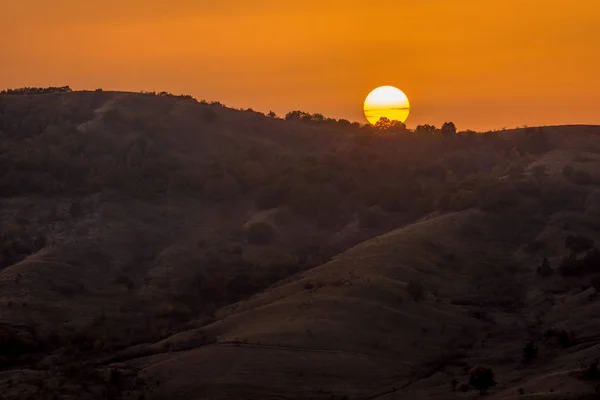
x: 482, y: 379
x: 578, y: 176
x: 172, y: 311
x: 453, y: 384
x: 591, y: 261
x: 578, y: 243
x: 566, y: 339
x: 501, y: 196
x: 539, y: 172
x: 124, y: 280
x: 570, y: 266
x: 558, y: 195
x: 528, y: 187
x: 530, y: 352
x: 545, y: 269
x: 416, y: 290
x: 591, y: 372
x: 260, y: 233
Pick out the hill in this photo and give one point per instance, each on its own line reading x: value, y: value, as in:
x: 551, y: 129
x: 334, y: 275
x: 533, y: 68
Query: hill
x: 156, y: 246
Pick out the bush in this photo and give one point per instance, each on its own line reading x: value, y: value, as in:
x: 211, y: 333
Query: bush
x: 558, y: 195
x: 578, y: 243
x: 172, y: 311
x: 482, y: 379
x: 416, y: 290
x: 578, y: 176
x: 528, y: 187
x: 124, y: 280
x: 530, y: 352
x: 591, y: 372
x: 539, y: 172
x: 545, y: 269
x: 260, y: 233
x: 566, y: 339
x: 591, y: 261
x: 570, y: 266
x: 499, y: 197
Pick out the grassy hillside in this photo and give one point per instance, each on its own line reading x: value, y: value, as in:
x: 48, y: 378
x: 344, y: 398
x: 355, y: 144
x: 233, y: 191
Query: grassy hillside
x: 155, y: 245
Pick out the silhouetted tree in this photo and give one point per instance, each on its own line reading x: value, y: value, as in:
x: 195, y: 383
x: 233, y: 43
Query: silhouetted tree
x: 426, y: 128
x: 385, y: 124
x: 318, y: 117
x: 448, y: 129
x: 482, y: 379
x: 272, y: 114
x: 298, y: 115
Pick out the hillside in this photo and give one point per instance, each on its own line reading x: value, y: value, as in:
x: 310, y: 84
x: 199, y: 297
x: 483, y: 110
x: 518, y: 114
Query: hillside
x: 156, y: 246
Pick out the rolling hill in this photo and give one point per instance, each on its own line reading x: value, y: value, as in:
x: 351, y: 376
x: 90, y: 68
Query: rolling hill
x: 153, y: 246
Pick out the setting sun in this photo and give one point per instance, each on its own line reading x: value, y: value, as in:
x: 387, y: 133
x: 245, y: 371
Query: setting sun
x: 388, y: 102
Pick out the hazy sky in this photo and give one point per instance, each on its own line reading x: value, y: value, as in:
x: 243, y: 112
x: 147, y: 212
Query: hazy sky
x: 481, y: 63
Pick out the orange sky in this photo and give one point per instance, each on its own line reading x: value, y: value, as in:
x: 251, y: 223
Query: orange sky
x: 481, y: 63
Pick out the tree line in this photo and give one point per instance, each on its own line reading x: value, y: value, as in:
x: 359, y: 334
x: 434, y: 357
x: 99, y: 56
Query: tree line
x: 36, y: 90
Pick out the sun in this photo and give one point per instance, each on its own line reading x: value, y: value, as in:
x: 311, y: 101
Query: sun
x: 386, y: 101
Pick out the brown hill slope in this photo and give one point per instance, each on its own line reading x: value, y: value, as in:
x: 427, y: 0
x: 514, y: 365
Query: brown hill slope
x: 135, y: 229
x: 350, y: 329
